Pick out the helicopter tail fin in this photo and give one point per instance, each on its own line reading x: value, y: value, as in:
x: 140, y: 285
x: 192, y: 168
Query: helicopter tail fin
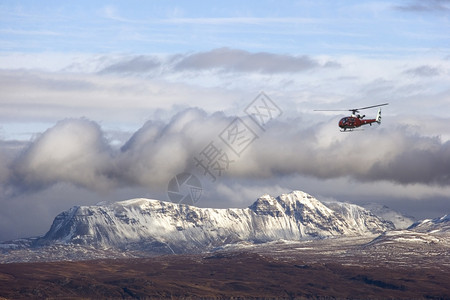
x: 378, y: 119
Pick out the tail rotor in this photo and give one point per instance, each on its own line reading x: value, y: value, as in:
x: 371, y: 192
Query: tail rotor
x: 378, y: 119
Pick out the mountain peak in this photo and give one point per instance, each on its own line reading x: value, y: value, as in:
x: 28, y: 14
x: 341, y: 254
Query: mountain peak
x: 266, y: 205
x: 137, y: 202
x: 299, y: 197
x: 295, y: 200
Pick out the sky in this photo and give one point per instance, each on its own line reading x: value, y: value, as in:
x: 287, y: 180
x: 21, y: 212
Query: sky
x: 103, y: 101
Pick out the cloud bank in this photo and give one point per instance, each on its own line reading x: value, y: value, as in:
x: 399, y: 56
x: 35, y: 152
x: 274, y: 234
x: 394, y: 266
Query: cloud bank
x: 76, y: 151
x: 128, y: 90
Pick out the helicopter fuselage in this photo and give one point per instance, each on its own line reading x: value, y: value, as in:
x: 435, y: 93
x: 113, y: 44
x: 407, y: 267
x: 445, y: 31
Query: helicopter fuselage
x: 354, y: 122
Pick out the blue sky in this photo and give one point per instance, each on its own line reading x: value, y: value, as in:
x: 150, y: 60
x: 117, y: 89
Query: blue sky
x: 108, y: 100
x: 311, y: 27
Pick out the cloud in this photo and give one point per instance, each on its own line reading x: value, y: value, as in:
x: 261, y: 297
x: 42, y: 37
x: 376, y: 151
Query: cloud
x: 233, y: 60
x: 72, y: 151
x: 35, y: 96
x: 137, y: 64
x: 157, y: 152
x: 396, y: 155
x: 241, y: 20
x: 4, y: 168
x: 417, y: 160
x: 130, y: 95
x: 437, y: 6
x: 76, y: 152
x: 30, y: 32
x: 424, y: 71
x: 221, y: 59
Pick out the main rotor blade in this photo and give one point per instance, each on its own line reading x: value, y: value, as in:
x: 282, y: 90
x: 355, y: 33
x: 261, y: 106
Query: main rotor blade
x: 331, y: 110
x: 368, y: 107
x: 354, y: 110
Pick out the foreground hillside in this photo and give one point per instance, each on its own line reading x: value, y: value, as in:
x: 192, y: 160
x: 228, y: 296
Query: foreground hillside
x: 350, y: 269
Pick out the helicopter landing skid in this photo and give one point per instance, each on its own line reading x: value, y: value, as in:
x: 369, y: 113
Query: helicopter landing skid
x: 351, y: 130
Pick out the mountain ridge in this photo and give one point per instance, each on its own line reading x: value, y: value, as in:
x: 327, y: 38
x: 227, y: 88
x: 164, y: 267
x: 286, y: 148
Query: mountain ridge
x: 178, y: 228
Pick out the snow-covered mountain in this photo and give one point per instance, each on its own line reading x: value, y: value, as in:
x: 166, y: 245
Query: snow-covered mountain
x: 160, y: 226
x: 399, y: 220
x: 432, y: 233
x: 436, y: 226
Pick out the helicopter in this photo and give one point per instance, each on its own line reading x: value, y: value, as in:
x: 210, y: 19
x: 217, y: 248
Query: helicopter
x: 356, y: 120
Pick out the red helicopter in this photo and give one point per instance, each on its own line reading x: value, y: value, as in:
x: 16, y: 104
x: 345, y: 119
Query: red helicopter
x: 356, y: 120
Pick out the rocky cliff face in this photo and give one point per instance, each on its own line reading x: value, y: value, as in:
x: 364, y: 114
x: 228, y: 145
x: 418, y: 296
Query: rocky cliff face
x: 172, y: 228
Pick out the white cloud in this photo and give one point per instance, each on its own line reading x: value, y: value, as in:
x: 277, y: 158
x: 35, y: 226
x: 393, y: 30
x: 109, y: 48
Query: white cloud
x: 72, y: 151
